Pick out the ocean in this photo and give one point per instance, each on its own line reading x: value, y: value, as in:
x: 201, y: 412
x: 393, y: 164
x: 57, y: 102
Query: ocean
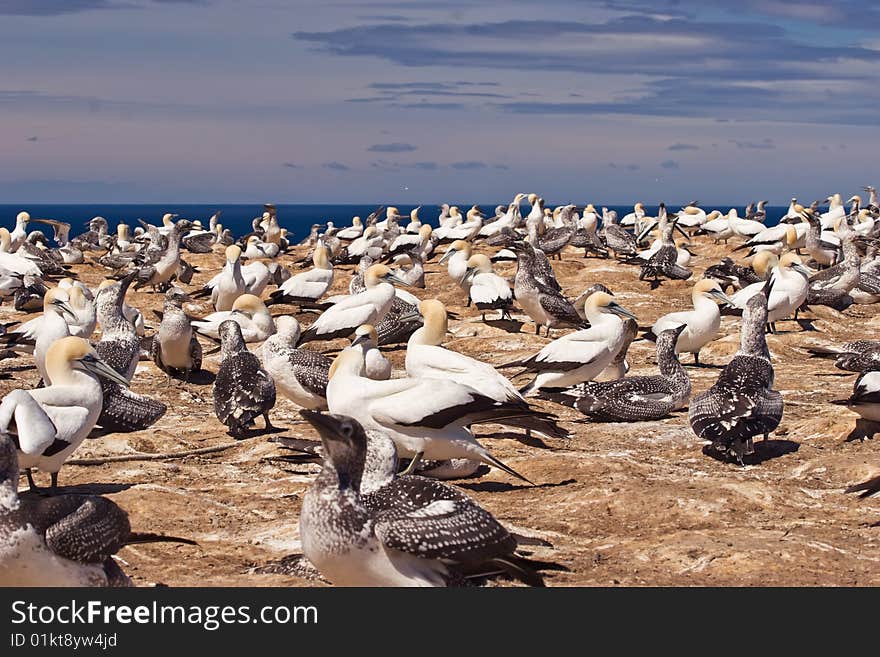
x: 297, y: 218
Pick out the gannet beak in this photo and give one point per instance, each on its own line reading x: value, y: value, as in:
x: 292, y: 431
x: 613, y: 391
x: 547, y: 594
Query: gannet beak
x: 799, y: 268
x: 65, y: 309
x: 410, y: 316
x: 718, y: 294
x: 681, y: 230
x: 617, y: 309
x: 99, y: 368
x: 394, y: 278
x: 446, y: 256
x: 325, y: 424
x: 647, y: 230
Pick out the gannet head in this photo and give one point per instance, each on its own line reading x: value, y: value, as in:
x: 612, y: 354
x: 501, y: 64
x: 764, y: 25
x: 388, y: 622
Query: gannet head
x: 288, y: 328
x: 22, y: 218
x: 855, y: 198
x: 356, y: 221
x: 713, y: 215
x: 58, y: 298
x: 73, y: 353
x: 791, y: 261
x: 763, y: 262
x: 5, y: 238
x: 349, y: 362
x: 425, y: 232
x: 667, y: 339
x: 249, y: 304
x: 414, y: 213
x: 456, y: 246
x: 391, y: 211
x: 365, y: 334
x: 377, y: 274
x: 435, y: 322
x: 479, y: 263
x: 78, y: 297
x: 231, y: 339
x: 176, y: 297
x: 474, y: 213
x: 590, y: 208
x: 602, y: 302
x: 710, y: 289
x: 122, y: 231
x: 233, y: 253
x: 166, y: 219
x: 454, y: 211
x: 345, y: 445
x: 369, y: 232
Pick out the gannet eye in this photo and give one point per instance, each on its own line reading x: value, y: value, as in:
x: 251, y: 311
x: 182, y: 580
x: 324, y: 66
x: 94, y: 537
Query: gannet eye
x: 346, y: 429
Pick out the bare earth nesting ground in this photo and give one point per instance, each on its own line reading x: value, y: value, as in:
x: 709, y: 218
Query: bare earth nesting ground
x: 621, y: 504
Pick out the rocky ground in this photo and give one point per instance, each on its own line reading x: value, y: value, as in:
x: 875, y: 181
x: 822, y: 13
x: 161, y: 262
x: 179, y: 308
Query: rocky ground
x: 621, y: 504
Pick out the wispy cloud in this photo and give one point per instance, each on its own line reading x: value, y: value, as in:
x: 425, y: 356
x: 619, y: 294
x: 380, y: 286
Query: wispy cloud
x: 470, y: 165
x: 291, y: 165
x: 682, y: 147
x: 764, y: 144
x: 669, y: 164
x: 336, y: 166
x: 394, y: 147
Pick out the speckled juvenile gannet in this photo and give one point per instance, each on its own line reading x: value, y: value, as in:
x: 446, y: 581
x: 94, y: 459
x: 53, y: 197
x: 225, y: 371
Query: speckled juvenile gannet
x: 700, y: 324
x: 301, y: 375
x: 618, y: 241
x: 488, y: 290
x: 168, y: 264
x: 424, y: 417
x: 49, y: 423
x: 582, y: 355
x: 243, y: 390
x: 175, y: 348
x: 64, y: 540
x: 538, y: 294
x: 367, y: 307
x: 856, y: 356
x: 790, y: 288
x: 308, y: 286
x: 404, y: 531
x: 636, y: 398
x: 248, y: 311
x: 742, y: 403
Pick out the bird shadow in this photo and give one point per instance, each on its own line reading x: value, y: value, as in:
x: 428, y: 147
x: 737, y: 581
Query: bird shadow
x: 508, y: 325
x: 256, y: 431
x: 80, y: 489
x: 764, y: 450
x: 806, y: 325
x: 200, y: 378
x: 704, y: 366
x: 503, y: 486
x: 531, y: 441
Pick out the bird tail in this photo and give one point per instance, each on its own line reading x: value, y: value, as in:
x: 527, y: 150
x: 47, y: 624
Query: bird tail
x: 201, y: 294
x: 823, y: 352
x: 558, y: 395
x: 542, y: 424
x: 679, y: 273
x: 648, y: 334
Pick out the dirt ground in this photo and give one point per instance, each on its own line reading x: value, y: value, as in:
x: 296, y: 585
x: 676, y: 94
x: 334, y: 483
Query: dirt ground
x: 621, y: 504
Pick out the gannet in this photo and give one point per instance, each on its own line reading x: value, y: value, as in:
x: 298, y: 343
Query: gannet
x: 27, y: 292
x: 415, y: 224
x: 691, y: 217
x: 824, y: 248
x: 248, y: 311
x: 718, y: 228
x: 790, y: 289
x: 864, y: 401
x: 414, y: 275
x: 168, y: 223
x: 256, y: 248
x: 243, y: 391
x: 742, y: 403
x: 367, y: 307
x: 855, y: 356
x: 700, y: 325
x: 510, y: 219
x: 361, y: 526
x: 132, y: 314
x: 39, y: 334
x: 49, y: 423
x: 19, y: 234
x: 370, y: 238
x: 467, y: 230
x: 91, y: 239
x: 619, y: 365
x: 366, y: 341
x: 408, y: 241
x: 537, y: 291
x: 746, y: 228
x: 300, y: 375
x: 582, y: 355
x: 458, y: 254
x: 557, y: 238
x: 424, y: 417
x: 13, y: 262
x: 836, y: 211
x: 664, y: 261
x: 488, y: 290
x: 637, y: 398
x: 308, y: 286
x: 635, y: 218
x: 618, y: 241
x: 352, y: 232
x: 160, y: 273
x: 229, y: 284
x: 776, y: 239
x: 175, y: 348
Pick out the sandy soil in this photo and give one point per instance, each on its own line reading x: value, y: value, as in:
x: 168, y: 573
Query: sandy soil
x: 627, y: 504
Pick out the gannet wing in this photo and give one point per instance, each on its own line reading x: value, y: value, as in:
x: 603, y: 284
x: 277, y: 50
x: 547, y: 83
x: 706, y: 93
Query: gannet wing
x: 32, y: 428
x: 566, y: 355
x: 433, y: 403
x: 311, y: 369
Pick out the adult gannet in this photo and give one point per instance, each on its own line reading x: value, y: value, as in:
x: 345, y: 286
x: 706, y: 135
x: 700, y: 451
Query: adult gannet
x: 242, y: 391
x: 836, y: 211
x: 406, y: 242
x: 367, y: 307
x: 175, y: 348
x: 700, y: 325
x: 538, y: 293
x: 637, y: 398
x: 790, y: 288
x: 352, y: 232
x: 718, y: 228
x: 168, y: 223
x: 414, y: 274
x: 371, y: 238
x: 582, y: 355
x: 488, y: 290
x: 18, y: 236
x: 229, y: 284
x: 467, y: 230
x: 415, y: 224
x: 746, y: 228
x: 248, y: 311
x: 52, y: 327
x: 48, y: 424
x: 256, y: 248
x: 742, y: 403
x: 366, y: 342
x: 308, y: 286
x: 636, y: 217
x: 510, y: 219
x: 776, y: 239
x: 361, y: 526
x: 458, y: 254
x: 13, y: 262
x: 692, y: 217
x: 424, y: 417
x: 301, y: 375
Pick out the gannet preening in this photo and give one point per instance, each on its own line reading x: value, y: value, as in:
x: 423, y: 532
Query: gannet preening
x: 300, y: 375
x: 119, y: 347
x: 582, y: 355
x: 692, y: 217
x: 865, y: 401
x: 18, y: 236
x: 424, y: 417
x: 636, y: 398
x: 539, y: 294
x: 64, y: 540
x: 790, y: 288
x: 488, y: 290
x: 408, y: 241
x: 742, y: 403
x: 700, y: 325
x: 718, y: 228
x: 175, y: 348
x: 309, y: 286
x: 160, y: 273
x: 248, y: 311
x: 28, y: 294
x: 361, y: 526
x: 255, y: 248
x: 48, y: 424
x: 366, y: 341
x: 243, y: 391
x: 414, y: 275
x: 729, y: 273
x: 856, y: 356
x: 367, y: 307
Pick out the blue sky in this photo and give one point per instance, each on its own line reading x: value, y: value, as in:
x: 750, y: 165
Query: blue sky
x: 359, y: 101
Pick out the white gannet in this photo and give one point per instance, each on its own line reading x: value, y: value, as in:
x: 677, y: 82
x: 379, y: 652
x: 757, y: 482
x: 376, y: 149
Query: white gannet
x: 776, y: 239
x: 242, y: 391
x: 308, y: 286
x: 52, y: 327
x: 424, y: 417
x: 790, y: 288
x: 407, y: 241
x: 415, y: 224
x: 582, y: 355
x: 248, y: 311
x: 367, y: 307
x: 458, y: 254
x: 510, y: 219
x: 742, y: 403
x: 371, y: 238
x: 13, y: 262
x: 301, y: 375
x: 469, y: 229
x: 836, y: 211
x: 366, y: 341
x: 256, y: 249
x: 488, y: 290
x: 636, y: 217
x: 18, y: 236
x: 351, y: 233
x: 228, y: 285
x: 175, y: 348
x: 700, y: 325
x: 746, y: 228
x: 362, y: 526
x: 718, y: 228
x: 49, y: 423
x: 692, y: 217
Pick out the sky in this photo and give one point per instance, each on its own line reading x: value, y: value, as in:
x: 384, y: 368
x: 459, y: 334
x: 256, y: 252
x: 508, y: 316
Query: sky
x: 427, y: 101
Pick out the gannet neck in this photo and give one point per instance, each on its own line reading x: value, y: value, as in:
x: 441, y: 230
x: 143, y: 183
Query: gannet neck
x: 433, y: 331
x: 321, y: 258
x: 350, y: 362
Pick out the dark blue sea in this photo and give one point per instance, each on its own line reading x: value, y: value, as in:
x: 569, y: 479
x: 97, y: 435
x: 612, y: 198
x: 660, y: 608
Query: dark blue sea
x: 296, y: 218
